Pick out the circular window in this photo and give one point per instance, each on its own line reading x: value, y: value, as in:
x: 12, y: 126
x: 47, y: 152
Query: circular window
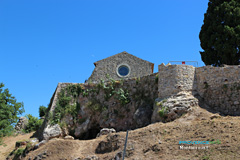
x: 123, y: 70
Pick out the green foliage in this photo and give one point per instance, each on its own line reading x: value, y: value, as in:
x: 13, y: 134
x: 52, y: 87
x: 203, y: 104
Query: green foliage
x: 19, y: 152
x: 9, y: 111
x: 42, y: 111
x: 96, y: 106
x: 162, y: 112
x: 66, y: 104
x: 205, y: 157
x: 137, y: 80
x: 220, y: 33
x: 122, y: 96
x: 74, y: 90
x: 141, y: 95
x: 33, y: 123
x: 109, y: 89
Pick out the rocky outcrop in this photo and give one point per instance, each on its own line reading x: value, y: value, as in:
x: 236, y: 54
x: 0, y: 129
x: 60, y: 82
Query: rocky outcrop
x: 171, y: 108
x: 21, y: 124
x: 111, y: 143
x: 142, y: 116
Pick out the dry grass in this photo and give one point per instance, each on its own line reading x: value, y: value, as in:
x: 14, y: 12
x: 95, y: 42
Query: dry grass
x: 160, y: 140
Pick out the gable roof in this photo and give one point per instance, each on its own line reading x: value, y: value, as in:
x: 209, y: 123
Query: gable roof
x: 124, y: 52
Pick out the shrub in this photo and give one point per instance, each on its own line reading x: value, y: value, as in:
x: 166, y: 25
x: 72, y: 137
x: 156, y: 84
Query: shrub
x: 123, y: 96
x: 42, y: 111
x: 162, y: 112
x: 33, y: 123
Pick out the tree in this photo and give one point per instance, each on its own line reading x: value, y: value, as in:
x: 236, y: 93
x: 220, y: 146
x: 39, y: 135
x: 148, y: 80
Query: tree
x: 9, y: 110
x: 42, y: 111
x: 220, y: 33
x: 33, y: 123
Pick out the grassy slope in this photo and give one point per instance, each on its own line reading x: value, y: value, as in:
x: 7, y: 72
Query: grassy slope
x: 143, y: 143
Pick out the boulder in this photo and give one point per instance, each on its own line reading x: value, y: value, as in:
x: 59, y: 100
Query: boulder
x: 106, y: 131
x: 52, y: 132
x: 69, y: 137
x: 111, y: 143
x: 171, y: 108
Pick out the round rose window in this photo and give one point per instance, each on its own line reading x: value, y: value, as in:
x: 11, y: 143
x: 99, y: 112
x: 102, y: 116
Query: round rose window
x: 123, y: 70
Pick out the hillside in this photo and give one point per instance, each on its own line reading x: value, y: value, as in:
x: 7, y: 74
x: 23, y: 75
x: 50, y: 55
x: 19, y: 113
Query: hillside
x: 155, y: 141
x: 9, y: 144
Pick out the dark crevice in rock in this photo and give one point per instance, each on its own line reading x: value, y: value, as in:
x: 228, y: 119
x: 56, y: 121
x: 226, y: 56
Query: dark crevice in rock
x: 91, y: 133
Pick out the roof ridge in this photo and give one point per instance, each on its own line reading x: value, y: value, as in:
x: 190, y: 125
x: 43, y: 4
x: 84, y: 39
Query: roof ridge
x: 124, y: 52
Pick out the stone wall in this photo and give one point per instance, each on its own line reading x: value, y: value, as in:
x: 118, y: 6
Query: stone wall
x: 220, y: 88
x: 101, y: 106
x: 108, y: 66
x: 142, y: 93
x: 175, y: 78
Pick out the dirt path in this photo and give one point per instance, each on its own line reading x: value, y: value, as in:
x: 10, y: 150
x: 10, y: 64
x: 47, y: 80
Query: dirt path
x: 9, y: 144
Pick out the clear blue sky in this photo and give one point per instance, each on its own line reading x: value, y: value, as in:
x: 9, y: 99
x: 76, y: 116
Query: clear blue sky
x: 43, y: 42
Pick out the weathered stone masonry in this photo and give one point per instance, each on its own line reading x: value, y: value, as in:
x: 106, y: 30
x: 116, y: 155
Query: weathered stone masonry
x: 219, y: 87
x: 175, y: 78
x: 108, y: 66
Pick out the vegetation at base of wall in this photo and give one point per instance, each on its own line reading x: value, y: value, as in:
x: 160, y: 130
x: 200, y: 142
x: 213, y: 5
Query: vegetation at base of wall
x: 162, y: 112
x: 66, y: 104
x: 33, y: 123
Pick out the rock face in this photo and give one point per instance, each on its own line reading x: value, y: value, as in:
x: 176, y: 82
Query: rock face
x: 171, y: 108
x: 52, y: 132
x: 115, y: 104
x: 21, y: 124
x: 111, y: 144
x: 142, y: 116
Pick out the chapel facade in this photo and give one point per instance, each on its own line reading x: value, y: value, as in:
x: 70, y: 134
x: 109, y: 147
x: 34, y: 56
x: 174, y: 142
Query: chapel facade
x: 120, y: 66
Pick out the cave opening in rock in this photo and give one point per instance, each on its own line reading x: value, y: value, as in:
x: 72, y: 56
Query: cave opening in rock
x: 91, y: 133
